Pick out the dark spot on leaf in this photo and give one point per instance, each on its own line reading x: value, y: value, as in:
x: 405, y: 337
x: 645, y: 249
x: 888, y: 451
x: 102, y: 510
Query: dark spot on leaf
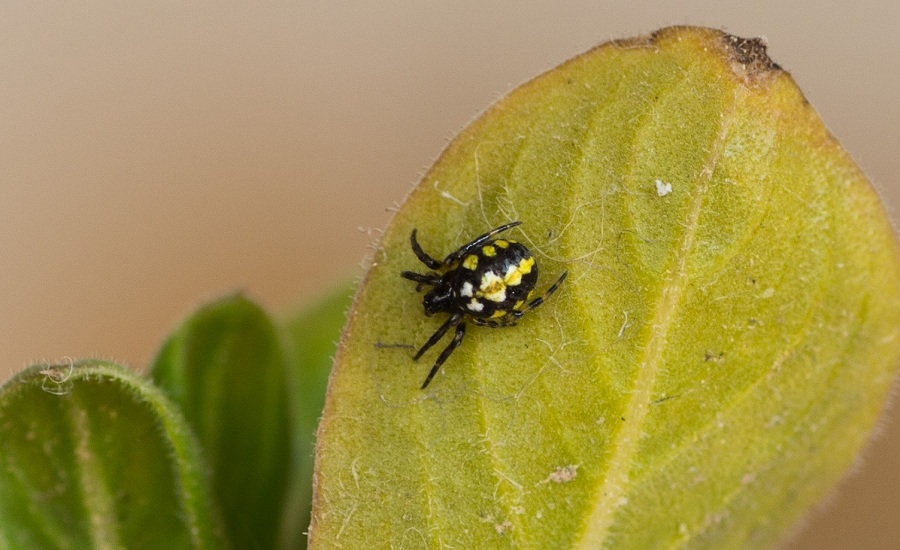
x: 664, y: 399
x: 749, y: 60
x: 750, y: 52
x: 382, y: 345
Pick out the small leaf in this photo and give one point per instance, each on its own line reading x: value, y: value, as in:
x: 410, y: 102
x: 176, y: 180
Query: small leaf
x: 312, y: 337
x: 713, y: 364
x: 225, y: 367
x: 96, y: 457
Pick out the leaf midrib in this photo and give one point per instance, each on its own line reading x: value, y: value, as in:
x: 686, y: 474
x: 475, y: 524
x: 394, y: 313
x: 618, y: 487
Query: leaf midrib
x: 613, y: 487
x: 99, y: 503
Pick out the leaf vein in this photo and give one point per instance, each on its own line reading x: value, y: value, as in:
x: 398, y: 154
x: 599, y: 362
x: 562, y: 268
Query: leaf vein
x: 612, y: 489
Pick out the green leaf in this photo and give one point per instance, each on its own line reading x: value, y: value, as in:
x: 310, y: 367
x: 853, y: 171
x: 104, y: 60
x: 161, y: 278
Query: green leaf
x: 712, y: 365
x: 94, y: 456
x: 225, y: 367
x: 312, y: 336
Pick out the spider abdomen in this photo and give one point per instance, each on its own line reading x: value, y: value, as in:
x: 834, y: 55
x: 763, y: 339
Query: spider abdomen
x: 494, y: 280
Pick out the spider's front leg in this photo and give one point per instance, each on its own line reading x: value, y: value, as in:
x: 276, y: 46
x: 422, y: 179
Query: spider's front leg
x: 431, y: 279
x: 466, y: 248
x: 421, y: 255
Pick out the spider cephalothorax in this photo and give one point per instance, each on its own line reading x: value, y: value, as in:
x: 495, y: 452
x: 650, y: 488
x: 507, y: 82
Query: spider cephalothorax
x: 489, y: 282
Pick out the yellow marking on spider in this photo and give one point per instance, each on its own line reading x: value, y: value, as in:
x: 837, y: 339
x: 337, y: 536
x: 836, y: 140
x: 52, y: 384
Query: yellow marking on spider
x: 489, y: 251
x: 501, y: 243
x: 497, y: 314
x: 526, y: 264
x: 518, y: 304
x: 515, y: 272
x: 513, y: 275
x: 471, y: 262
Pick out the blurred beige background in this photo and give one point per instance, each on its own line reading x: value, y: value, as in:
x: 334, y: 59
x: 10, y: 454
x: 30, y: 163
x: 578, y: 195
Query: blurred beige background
x: 156, y: 155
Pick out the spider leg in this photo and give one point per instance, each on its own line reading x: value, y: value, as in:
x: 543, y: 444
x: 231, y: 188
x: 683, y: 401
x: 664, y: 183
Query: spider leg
x: 466, y: 248
x: 540, y: 299
x: 421, y: 255
x: 451, y: 321
x: 457, y: 340
x: 508, y: 320
x: 421, y: 278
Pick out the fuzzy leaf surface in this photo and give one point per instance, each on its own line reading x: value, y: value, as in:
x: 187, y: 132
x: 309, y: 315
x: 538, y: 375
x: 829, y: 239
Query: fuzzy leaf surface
x: 311, y: 335
x: 711, y: 367
x: 226, y: 369
x: 94, y: 456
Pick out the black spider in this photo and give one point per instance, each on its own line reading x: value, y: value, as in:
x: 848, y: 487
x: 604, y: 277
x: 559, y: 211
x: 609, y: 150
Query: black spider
x: 487, y: 281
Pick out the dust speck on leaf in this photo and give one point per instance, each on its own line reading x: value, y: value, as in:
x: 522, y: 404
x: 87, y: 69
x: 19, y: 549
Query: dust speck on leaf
x: 663, y: 188
x: 563, y: 474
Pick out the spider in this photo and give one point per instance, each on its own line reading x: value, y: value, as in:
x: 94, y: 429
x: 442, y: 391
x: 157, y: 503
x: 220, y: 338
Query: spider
x: 488, y: 282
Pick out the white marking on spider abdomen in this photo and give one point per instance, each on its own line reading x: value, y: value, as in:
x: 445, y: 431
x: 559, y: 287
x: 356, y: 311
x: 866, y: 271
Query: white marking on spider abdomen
x: 466, y: 290
x: 493, y: 287
x: 475, y: 305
